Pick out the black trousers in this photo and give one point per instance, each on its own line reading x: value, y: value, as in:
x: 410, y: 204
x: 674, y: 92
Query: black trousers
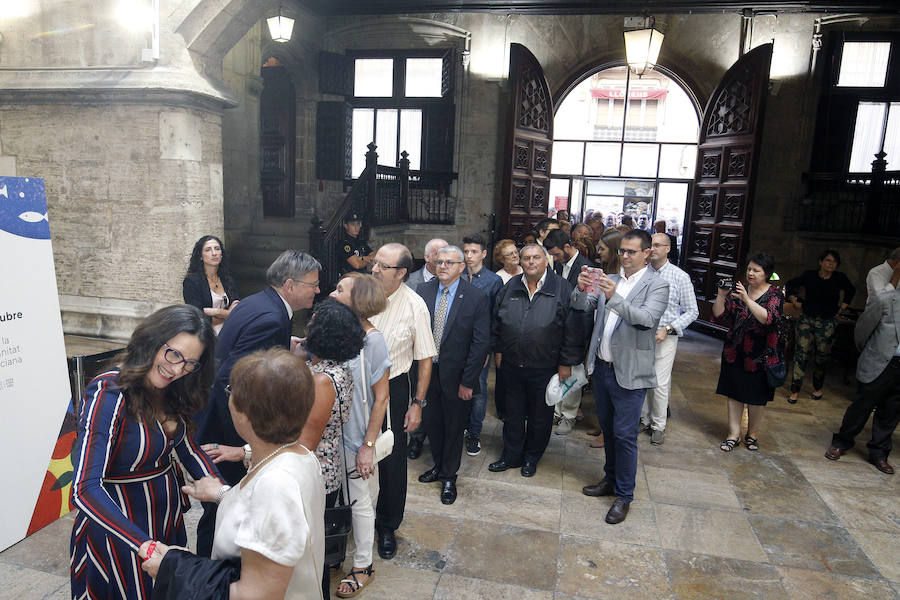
x: 500, y: 393
x: 529, y: 421
x: 883, y: 396
x: 419, y: 432
x: 444, y: 420
x: 392, y: 470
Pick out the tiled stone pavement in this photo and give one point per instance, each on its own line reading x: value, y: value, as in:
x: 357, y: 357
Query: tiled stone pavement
x: 782, y: 523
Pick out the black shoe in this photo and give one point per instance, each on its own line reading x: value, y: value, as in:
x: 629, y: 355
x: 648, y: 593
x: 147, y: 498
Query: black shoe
x: 448, y: 492
x: 387, y: 544
x: 429, y: 476
x: 415, y: 448
x: 604, y: 488
x: 529, y: 468
x: 473, y: 445
x: 617, y: 512
x: 502, y: 465
x: 882, y: 465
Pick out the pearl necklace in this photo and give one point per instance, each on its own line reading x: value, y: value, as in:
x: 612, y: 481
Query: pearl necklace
x: 263, y: 461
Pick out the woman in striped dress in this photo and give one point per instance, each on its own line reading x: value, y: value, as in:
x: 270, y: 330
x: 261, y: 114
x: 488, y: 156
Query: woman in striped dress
x: 126, y: 483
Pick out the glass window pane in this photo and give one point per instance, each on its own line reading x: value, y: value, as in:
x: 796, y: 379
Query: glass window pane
x: 676, y: 117
x: 677, y: 162
x: 567, y: 158
x: 559, y: 195
x: 609, y: 206
x: 386, y: 137
x: 639, y: 203
x: 575, y: 200
x: 866, y: 136
x: 423, y: 77
x: 373, y: 77
x: 601, y: 159
x: 670, y: 206
x: 595, y: 109
x: 639, y: 160
x: 892, y: 139
x: 411, y: 136
x: 864, y: 64
x: 363, y: 133
x: 606, y: 187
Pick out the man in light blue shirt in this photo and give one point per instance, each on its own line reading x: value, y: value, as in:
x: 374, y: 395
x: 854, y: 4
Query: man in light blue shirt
x: 680, y: 312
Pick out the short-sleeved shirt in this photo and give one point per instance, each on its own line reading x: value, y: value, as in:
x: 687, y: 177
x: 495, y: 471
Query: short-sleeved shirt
x: 279, y: 513
x: 330, y: 452
x: 377, y: 362
x: 351, y: 246
x: 406, y: 324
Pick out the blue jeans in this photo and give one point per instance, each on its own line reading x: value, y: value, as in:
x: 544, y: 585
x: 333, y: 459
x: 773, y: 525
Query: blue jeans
x: 619, y: 413
x: 479, y: 404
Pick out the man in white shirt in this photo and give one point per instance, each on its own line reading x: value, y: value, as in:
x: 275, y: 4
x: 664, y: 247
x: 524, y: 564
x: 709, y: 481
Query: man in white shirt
x: 406, y: 325
x: 884, y: 277
x: 680, y: 312
x: 621, y: 358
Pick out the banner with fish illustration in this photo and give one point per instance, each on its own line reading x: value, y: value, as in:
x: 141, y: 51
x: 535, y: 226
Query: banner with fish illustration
x: 37, y: 427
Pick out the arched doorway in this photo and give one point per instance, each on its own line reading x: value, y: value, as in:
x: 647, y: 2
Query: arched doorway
x: 625, y: 145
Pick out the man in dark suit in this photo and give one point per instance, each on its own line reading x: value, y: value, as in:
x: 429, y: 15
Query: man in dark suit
x: 258, y: 322
x: 460, y: 322
x: 567, y: 260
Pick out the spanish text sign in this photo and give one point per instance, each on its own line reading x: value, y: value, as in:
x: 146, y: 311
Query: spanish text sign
x: 34, y: 389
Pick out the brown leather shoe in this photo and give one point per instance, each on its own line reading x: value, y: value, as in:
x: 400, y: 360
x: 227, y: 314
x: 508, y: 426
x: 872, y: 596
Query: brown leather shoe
x: 833, y: 453
x: 882, y: 465
x: 617, y: 512
x: 604, y: 488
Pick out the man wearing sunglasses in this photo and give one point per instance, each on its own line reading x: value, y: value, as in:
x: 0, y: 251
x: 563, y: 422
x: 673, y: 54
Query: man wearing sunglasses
x: 621, y: 358
x: 258, y: 322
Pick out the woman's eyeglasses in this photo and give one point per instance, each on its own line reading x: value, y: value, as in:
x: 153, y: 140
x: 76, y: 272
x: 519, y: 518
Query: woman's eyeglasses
x: 174, y: 357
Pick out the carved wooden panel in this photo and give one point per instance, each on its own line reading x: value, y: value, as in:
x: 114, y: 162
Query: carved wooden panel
x: 522, y: 154
x: 539, y: 198
x: 534, y: 101
x: 520, y: 195
x: 335, y: 74
x: 715, y: 235
x: 277, y: 116
x: 541, y: 162
x: 334, y: 130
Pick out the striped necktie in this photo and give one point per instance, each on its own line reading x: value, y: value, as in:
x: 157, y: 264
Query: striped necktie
x: 440, y: 317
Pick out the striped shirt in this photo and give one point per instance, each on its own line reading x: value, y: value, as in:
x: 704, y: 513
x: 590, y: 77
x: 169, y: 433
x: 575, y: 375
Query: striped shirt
x: 406, y: 325
x: 682, y: 309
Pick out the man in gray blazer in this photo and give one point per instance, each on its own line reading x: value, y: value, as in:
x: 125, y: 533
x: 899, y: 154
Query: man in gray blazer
x: 621, y: 358
x: 877, y: 336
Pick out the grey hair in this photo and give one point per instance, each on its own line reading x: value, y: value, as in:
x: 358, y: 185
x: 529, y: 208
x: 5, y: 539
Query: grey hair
x: 527, y: 246
x: 455, y: 249
x: 895, y: 255
x: 429, y: 247
x: 291, y: 264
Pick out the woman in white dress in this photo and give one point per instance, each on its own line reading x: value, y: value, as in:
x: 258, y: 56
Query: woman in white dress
x: 274, y: 520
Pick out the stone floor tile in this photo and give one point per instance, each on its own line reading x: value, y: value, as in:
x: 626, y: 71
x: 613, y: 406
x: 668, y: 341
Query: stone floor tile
x: 812, y: 546
x: 708, y: 460
x: 702, y: 577
x: 454, y: 587
x: 852, y: 471
x: 580, y: 472
x: 808, y: 443
x: 819, y: 585
x: 21, y: 582
x: 394, y: 581
x: 549, y: 473
x: 611, y: 571
x: 505, y: 554
x: 578, y: 445
x: 860, y: 509
x: 689, y: 488
x: 584, y: 516
x: 46, y: 550
x: 708, y: 531
x: 881, y: 548
x: 531, y: 507
x: 424, y: 540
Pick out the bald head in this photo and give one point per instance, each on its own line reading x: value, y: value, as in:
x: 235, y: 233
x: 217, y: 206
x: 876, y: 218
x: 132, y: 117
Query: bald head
x: 659, y: 249
x: 431, y: 250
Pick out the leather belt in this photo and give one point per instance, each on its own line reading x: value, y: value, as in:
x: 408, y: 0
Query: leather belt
x: 604, y: 363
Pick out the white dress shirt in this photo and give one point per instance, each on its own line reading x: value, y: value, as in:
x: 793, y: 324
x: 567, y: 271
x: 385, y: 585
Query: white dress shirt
x: 623, y: 288
x: 567, y: 267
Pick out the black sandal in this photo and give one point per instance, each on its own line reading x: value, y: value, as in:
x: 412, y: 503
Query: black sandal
x: 729, y: 444
x: 354, y: 582
x: 751, y: 443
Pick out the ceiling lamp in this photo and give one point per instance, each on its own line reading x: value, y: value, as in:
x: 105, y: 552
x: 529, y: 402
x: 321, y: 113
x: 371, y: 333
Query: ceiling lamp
x: 280, y: 27
x: 642, y: 45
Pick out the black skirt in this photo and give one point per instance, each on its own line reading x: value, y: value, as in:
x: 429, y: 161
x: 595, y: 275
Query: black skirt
x: 748, y: 388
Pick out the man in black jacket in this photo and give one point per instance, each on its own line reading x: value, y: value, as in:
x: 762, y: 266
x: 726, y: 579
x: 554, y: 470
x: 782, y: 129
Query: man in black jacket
x: 460, y: 323
x: 567, y: 260
x: 534, y: 336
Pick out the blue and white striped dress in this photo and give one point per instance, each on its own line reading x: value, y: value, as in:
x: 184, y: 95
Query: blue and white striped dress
x: 126, y: 488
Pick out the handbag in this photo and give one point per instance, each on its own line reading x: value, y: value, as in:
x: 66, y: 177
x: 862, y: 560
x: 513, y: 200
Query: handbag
x: 384, y: 443
x: 776, y: 374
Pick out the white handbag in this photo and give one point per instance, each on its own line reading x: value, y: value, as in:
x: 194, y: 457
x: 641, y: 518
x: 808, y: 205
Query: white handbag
x: 384, y: 443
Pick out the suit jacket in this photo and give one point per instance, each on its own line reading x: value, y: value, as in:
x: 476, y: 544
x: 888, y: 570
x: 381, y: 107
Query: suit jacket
x: 416, y: 279
x: 633, y: 342
x: 258, y: 322
x: 877, y: 335
x: 195, y: 289
x: 466, y: 338
x: 580, y: 260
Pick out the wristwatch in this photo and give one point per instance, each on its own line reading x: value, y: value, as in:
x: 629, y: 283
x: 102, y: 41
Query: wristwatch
x: 670, y: 330
x: 421, y: 402
x: 369, y: 444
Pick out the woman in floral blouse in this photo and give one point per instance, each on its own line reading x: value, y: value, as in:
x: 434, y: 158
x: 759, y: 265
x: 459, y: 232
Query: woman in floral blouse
x: 753, y: 315
x: 334, y: 337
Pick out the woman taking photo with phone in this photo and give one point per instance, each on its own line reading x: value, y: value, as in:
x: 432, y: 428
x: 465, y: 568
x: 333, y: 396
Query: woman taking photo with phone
x: 753, y: 314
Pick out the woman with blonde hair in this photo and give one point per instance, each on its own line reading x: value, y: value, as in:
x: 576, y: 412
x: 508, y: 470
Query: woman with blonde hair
x: 507, y: 255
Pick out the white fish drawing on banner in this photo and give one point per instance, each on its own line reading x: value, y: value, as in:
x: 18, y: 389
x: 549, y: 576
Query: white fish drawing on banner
x: 33, y: 217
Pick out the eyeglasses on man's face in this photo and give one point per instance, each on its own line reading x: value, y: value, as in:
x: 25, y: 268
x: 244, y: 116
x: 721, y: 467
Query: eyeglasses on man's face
x: 315, y: 284
x: 627, y: 252
x: 384, y: 266
x: 447, y: 263
x: 174, y: 357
